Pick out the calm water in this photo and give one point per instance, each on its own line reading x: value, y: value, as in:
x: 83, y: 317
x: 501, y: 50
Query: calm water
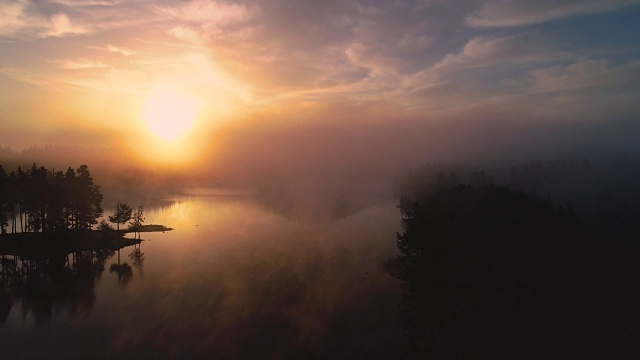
x: 234, y: 280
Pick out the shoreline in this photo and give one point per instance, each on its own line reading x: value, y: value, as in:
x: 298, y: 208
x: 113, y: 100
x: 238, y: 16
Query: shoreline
x: 46, y: 245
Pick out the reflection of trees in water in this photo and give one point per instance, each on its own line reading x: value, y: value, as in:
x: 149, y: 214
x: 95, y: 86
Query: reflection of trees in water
x: 123, y: 270
x: 44, y: 285
x: 8, y: 265
x: 137, y: 258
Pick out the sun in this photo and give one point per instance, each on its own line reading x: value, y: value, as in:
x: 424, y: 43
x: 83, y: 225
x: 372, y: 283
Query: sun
x: 169, y: 114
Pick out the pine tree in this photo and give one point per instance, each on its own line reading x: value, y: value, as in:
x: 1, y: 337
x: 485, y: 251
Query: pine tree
x: 121, y: 215
x: 88, y: 199
x: 136, y: 220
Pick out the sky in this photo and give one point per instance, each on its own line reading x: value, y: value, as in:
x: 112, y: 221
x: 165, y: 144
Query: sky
x: 262, y: 81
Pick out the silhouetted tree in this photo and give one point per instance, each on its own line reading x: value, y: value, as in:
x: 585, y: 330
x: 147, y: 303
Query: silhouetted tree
x: 57, y: 201
x: 70, y: 212
x: 87, y: 199
x: 4, y: 199
x: 3, y: 223
x: 136, y: 220
x: 49, y: 201
x: 121, y: 215
x: 36, y: 197
x: 466, y: 249
x: 104, y: 226
x: 21, y: 186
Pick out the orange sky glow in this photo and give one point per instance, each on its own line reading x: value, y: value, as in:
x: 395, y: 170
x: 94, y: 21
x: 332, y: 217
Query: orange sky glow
x: 85, y: 72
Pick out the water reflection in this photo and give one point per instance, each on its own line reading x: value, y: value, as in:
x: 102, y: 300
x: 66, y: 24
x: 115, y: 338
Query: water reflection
x: 137, y: 258
x: 45, y: 286
x: 234, y: 281
x: 64, y: 284
x: 124, y: 271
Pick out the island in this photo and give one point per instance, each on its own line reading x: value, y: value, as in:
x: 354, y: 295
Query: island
x: 46, y: 213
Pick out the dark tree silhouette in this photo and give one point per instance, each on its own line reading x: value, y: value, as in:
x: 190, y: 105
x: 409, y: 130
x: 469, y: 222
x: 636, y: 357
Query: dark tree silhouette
x: 492, y: 272
x: 49, y: 201
x: 21, y: 187
x: 104, y: 226
x: 468, y: 254
x: 137, y: 219
x: 121, y: 215
x: 87, y: 199
x: 4, y: 200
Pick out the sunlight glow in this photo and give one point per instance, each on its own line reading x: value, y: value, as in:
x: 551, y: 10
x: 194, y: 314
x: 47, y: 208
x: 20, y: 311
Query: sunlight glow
x: 169, y: 114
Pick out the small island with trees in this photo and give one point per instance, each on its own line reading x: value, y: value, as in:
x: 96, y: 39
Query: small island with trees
x: 46, y: 212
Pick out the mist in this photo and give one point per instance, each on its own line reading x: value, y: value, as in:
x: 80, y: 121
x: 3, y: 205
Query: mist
x: 319, y: 179
x: 323, y: 167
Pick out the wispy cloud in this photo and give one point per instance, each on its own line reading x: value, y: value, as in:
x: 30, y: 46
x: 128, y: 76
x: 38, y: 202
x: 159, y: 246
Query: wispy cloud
x: 208, y: 12
x: 114, y: 49
x: 482, y: 51
x: 522, y: 50
x: 588, y: 74
x: 88, y: 2
x: 26, y: 76
x: 185, y: 34
x: 23, y: 19
x: 61, y: 25
x: 82, y: 64
x: 507, y: 13
x: 12, y: 18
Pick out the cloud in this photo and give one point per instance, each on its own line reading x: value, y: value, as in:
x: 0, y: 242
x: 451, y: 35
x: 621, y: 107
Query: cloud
x: 415, y: 57
x: 26, y: 76
x: 82, y: 64
x: 508, y: 13
x: 523, y: 50
x: 273, y: 46
x: 29, y: 19
x: 111, y: 80
x: 114, y: 49
x: 22, y: 19
x: 579, y: 91
x: 12, y: 18
x: 61, y: 25
x: 209, y: 13
x: 394, y: 52
x: 87, y: 2
x: 185, y: 34
x: 309, y: 47
x: 587, y: 74
x: 481, y: 51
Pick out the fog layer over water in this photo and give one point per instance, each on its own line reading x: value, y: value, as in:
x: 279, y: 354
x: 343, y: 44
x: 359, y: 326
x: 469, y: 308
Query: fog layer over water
x: 232, y: 280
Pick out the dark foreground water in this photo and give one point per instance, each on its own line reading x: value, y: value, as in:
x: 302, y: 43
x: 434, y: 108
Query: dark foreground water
x: 232, y: 281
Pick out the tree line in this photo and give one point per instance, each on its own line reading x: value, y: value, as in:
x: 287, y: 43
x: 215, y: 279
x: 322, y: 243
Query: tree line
x: 43, y: 200
x: 40, y: 200
x: 491, y: 271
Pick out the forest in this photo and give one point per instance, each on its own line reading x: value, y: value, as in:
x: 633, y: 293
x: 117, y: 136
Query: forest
x: 496, y: 267
x: 47, y: 201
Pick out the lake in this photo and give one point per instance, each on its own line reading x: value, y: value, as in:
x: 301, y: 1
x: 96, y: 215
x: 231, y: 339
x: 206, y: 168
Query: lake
x: 233, y: 280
